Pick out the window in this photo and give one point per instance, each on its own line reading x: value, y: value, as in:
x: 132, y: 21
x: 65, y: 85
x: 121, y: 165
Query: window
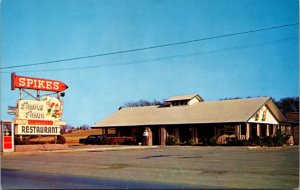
x: 179, y: 103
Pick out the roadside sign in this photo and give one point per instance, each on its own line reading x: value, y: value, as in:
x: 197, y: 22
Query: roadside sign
x: 41, y: 116
x: 36, y: 83
x: 12, y: 110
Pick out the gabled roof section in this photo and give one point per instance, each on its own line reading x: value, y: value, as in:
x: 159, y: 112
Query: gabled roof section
x: 184, y: 97
x: 275, y: 111
x: 224, y: 111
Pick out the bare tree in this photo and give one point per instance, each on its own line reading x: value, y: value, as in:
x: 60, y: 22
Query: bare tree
x: 84, y: 127
x: 142, y: 103
x: 66, y: 129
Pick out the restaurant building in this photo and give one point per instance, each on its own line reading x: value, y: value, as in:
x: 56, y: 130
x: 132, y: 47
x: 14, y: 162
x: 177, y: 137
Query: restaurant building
x: 190, y: 118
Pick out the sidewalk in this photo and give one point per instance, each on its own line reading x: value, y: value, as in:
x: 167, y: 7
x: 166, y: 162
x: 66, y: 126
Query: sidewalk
x: 80, y: 148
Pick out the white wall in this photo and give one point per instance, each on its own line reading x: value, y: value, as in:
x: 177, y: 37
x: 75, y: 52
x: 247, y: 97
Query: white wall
x: 192, y: 101
x: 259, y: 117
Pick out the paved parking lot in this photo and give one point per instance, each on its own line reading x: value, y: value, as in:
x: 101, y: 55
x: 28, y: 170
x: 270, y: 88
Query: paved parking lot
x: 216, y: 167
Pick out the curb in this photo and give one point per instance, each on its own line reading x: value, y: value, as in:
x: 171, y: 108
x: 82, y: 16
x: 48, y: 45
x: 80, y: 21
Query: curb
x: 99, y: 149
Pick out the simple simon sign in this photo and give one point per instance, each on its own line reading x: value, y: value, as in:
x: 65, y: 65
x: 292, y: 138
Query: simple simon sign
x: 40, y: 116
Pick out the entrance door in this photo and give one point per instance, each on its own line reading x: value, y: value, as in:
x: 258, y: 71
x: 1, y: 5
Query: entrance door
x: 185, y: 134
x: 263, y: 129
x: 155, y: 135
x: 254, y: 130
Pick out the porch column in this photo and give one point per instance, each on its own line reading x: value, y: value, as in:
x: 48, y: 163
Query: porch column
x: 268, y: 130
x: 238, y: 131
x: 195, y: 135
x: 258, y: 130
x: 163, y: 136
x: 274, y: 130
x: 150, y: 136
x: 176, y: 135
x: 106, y: 131
x: 247, y: 131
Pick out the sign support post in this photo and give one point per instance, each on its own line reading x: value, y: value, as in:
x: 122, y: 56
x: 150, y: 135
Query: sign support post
x: 20, y: 92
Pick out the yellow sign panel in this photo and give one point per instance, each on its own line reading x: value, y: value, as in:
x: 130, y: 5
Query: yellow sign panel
x: 49, y: 109
x: 39, y: 117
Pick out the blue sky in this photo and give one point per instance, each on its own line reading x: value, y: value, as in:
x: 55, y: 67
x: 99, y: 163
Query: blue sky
x: 254, y: 64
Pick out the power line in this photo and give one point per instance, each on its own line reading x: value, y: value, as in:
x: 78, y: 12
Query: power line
x: 168, y: 57
x: 152, y: 47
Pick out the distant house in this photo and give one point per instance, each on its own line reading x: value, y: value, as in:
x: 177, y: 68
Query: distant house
x: 189, y: 117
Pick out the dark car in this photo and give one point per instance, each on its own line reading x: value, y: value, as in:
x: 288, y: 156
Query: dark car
x: 92, y: 139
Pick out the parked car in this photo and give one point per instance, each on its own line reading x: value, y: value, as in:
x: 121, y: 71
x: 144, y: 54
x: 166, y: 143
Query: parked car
x: 92, y: 139
x: 112, y: 139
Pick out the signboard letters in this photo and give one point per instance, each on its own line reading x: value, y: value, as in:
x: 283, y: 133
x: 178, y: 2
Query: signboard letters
x: 37, y: 130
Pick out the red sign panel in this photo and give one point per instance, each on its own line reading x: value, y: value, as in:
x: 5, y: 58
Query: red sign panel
x: 40, y: 122
x: 7, y: 142
x: 36, y: 83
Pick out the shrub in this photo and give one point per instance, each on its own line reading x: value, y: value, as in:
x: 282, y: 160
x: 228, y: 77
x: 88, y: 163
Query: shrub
x: 18, y: 141
x: 236, y: 142
x: 279, y: 139
x: 267, y: 141
x: 171, y: 140
x: 190, y: 142
x: 205, y: 141
x: 255, y: 141
x: 212, y: 142
x: 61, y: 139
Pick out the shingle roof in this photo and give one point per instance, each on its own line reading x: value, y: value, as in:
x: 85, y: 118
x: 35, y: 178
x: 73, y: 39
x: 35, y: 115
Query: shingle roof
x: 238, y: 110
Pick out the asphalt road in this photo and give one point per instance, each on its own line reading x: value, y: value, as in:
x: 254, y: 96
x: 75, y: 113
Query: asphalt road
x: 18, y: 179
x: 160, y: 168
